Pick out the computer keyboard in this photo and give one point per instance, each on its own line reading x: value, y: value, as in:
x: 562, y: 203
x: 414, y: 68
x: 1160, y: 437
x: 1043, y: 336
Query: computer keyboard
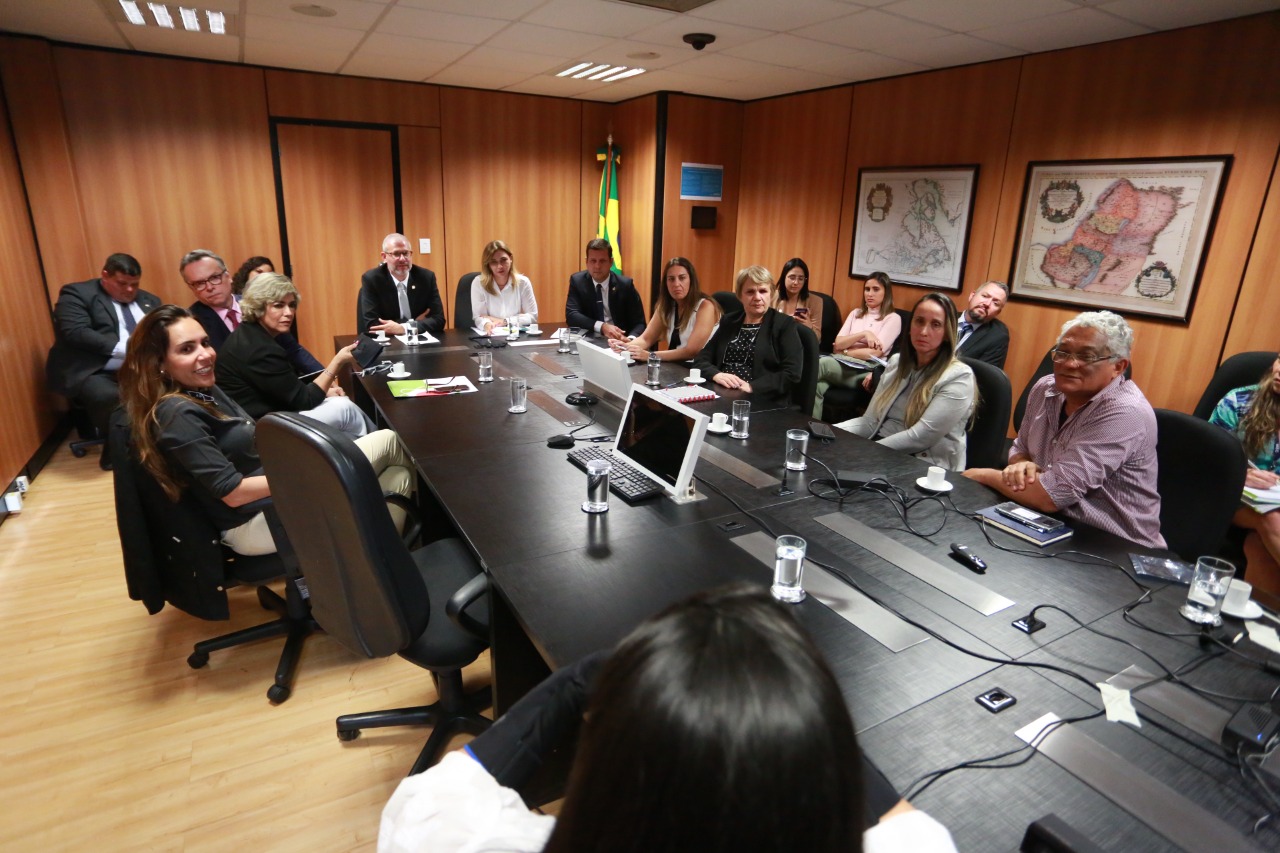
x: 624, y: 481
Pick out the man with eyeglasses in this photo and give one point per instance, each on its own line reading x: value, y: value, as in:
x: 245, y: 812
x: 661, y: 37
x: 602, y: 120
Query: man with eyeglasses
x: 981, y: 335
x: 93, y: 320
x: 397, y: 295
x: 1087, y: 447
x: 217, y: 308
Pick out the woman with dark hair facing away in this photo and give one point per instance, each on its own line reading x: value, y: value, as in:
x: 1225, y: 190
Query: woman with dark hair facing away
x: 757, y: 351
x: 189, y: 434
x: 1252, y: 414
x: 793, y: 296
x: 927, y: 395
x: 258, y: 375
x: 869, y: 331
x: 684, y: 319
x: 714, y: 726
x: 250, y: 270
x: 500, y: 291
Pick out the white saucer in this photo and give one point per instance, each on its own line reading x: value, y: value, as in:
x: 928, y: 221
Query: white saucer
x: 728, y: 428
x: 382, y: 340
x: 530, y: 332
x: 1252, y: 610
x: 630, y: 362
x: 697, y: 381
x: 923, y: 482
x: 403, y: 375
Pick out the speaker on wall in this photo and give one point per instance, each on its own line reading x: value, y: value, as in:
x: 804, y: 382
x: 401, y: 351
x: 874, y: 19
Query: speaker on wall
x: 703, y: 217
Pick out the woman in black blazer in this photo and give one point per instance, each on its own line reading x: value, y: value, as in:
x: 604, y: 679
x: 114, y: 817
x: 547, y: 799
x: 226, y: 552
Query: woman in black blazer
x: 757, y: 351
x: 254, y: 370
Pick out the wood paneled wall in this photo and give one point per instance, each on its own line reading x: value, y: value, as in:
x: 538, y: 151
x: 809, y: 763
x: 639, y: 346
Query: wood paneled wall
x: 704, y: 130
x: 512, y: 173
x: 25, y: 331
x: 422, y: 202
x: 301, y: 94
x: 786, y: 201
x: 634, y: 125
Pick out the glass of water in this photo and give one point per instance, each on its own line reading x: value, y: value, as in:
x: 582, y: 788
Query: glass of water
x: 519, y: 393
x: 486, y: 366
x: 1209, y: 587
x: 797, y: 447
x: 597, y: 486
x: 788, y: 569
x: 563, y: 346
x: 741, y: 419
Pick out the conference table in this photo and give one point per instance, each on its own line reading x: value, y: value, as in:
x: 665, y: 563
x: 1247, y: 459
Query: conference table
x: 912, y: 643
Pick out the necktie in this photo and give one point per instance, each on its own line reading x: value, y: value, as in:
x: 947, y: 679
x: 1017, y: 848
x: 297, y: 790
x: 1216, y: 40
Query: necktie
x: 600, y: 302
x: 965, y: 328
x: 233, y: 315
x: 127, y: 312
x: 402, y: 293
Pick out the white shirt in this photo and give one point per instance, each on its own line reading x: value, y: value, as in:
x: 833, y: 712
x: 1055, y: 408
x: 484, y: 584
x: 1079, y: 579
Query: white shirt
x: 516, y: 299
x: 117, y: 352
x: 600, y: 289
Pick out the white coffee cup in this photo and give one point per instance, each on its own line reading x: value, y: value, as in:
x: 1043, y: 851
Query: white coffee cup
x: 719, y: 420
x: 398, y: 367
x: 937, y: 478
x: 380, y: 336
x: 694, y: 374
x: 1238, y: 595
x: 533, y: 329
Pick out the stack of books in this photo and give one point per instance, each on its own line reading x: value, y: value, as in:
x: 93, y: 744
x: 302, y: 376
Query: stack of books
x: 1022, y: 531
x: 1263, y: 500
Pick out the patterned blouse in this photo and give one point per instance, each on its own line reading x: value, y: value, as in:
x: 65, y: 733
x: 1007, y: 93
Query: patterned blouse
x: 1229, y: 414
x: 740, y: 354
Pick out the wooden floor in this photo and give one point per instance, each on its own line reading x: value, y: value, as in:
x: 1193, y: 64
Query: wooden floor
x: 112, y: 742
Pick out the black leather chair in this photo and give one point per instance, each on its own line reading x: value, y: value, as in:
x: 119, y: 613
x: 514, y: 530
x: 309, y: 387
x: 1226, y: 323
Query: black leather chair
x: 462, y: 318
x: 1243, y: 368
x: 368, y: 591
x: 173, y: 554
x: 1042, y: 370
x: 1202, y: 470
x: 831, y: 321
x: 728, y: 301
x: 840, y: 404
x: 807, y: 388
x: 986, y: 439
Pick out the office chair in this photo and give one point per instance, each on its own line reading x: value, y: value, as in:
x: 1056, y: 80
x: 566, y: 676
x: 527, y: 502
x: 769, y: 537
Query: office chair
x: 1243, y: 368
x: 986, y: 439
x: 1202, y: 471
x: 728, y: 301
x: 462, y: 317
x: 831, y: 321
x: 840, y: 404
x: 1042, y: 370
x: 368, y: 591
x: 89, y: 436
x: 806, y: 389
x: 173, y: 553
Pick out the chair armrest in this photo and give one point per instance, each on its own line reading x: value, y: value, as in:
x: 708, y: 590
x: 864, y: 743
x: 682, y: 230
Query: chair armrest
x: 413, y: 520
x: 455, y: 608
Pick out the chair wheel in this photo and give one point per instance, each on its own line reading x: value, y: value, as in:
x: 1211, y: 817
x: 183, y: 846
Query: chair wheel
x: 79, y: 452
x: 277, y: 693
x: 197, y: 660
x: 345, y: 736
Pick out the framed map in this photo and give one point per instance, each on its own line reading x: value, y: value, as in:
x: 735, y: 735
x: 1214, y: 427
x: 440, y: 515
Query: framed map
x: 914, y: 224
x: 1127, y: 236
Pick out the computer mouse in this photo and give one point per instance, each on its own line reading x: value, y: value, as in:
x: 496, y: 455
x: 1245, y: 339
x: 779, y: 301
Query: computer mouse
x: 564, y: 440
x: 582, y: 398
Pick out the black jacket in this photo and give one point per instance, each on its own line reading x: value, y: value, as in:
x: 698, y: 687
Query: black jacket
x: 254, y: 371
x: 216, y: 329
x: 87, y: 331
x: 378, y: 300
x: 624, y: 303
x: 779, y: 358
x: 988, y: 342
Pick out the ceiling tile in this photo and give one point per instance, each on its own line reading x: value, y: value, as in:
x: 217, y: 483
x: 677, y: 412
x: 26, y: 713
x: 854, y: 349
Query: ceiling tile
x: 548, y: 41
x: 616, y: 20
x: 870, y: 29
x: 400, y: 58
x: 503, y: 10
x: 771, y: 14
x: 1082, y: 26
x: 442, y: 26
x: 352, y: 14
x: 79, y: 21
x: 947, y: 51
x: 182, y: 43
x: 788, y: 50
x: 477, y: 77
x: 555, y: 86
x: 864, y: 65
x: 291, y: 54
x: 619, y: 51
x: 505, y: 59
x: 720, y: 66
x: 727, y: 35
x: 975, y: 14
x: 386, y: 68
x: 1165, y: 15
x: 319, y: 39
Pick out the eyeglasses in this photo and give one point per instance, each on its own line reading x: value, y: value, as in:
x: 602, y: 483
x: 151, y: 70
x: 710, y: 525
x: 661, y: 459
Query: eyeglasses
x: 404, y: 253
x: 1064, y: 357
x: 211, y: 281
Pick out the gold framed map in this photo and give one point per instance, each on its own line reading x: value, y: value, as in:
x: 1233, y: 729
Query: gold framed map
x: 914, y: 224
x: 1127, y: 236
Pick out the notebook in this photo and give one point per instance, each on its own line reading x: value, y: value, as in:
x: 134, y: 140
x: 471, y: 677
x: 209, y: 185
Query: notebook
x: 1022, y: 531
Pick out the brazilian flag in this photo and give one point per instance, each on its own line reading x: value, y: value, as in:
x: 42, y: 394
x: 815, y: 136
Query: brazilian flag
x: 608, y: 225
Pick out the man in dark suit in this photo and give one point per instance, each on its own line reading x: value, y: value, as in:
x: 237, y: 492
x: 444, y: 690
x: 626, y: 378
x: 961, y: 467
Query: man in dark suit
x: 93, y: 320
x: 396, y: 295
x: 218, y: 308
x: 982, y: 336
x: 601, y: 300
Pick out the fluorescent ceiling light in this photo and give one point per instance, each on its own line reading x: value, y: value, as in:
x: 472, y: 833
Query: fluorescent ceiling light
x: 624, y: 75
x: 614, y: 70
x: 581, y: 74
x: 133, y: 13
x: 160, y: 12
x: 190, y: 19
x: 604, y: 72
x: 217, y: 23
x: 564, y: 73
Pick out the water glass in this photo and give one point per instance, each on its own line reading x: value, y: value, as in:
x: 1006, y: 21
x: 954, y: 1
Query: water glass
x: 797, y: 447
x: 519, y: 393
x: 486, y: 366
x: 1209, y: 587
x: 563, y: 346
x: 513, y: 329
x: 597, y: 486
x: 741, y: 419
x: 653, y: 371
x: 788, y: 569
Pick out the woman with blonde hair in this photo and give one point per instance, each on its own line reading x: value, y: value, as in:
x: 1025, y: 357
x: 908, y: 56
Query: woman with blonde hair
x: 927, y: 395
x: 500, y: 292
x: 684, y: 319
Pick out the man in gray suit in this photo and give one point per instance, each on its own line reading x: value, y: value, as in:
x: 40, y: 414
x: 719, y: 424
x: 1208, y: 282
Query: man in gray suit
x: 92, y: 321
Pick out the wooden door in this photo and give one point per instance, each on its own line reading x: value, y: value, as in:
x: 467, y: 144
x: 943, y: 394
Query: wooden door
x: 338, y: 201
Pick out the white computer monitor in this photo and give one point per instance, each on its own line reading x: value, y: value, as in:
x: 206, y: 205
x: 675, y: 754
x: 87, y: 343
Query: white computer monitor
x: 606, y: 369
x: 661, y: 437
